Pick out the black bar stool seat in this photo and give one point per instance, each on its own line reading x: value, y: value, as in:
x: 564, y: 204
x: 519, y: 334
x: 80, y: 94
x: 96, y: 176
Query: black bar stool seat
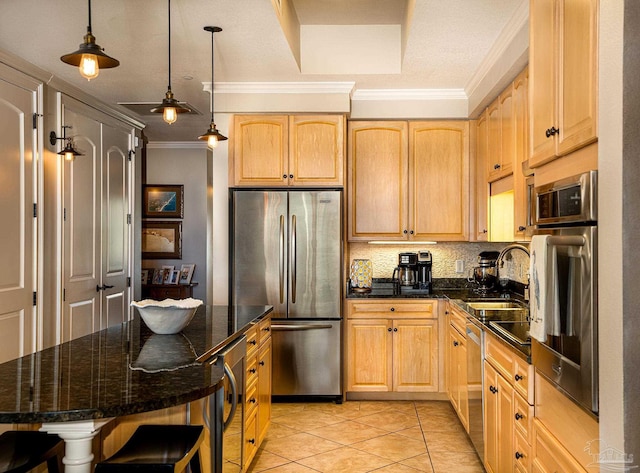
x: 23, y: 450
x: 157, y: 449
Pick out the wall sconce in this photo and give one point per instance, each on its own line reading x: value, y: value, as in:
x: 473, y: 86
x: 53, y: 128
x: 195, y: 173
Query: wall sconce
x: 69, y: 152
x: 89, y: 57
x: 170, y: 107
x: 212, y: 136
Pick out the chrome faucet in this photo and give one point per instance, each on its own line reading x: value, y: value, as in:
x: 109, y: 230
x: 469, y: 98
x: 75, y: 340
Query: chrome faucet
x: 500, y: 262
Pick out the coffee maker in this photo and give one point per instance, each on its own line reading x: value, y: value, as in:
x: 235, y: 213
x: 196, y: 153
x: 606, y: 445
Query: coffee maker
x: 423, y: 267
x: 406, y: 273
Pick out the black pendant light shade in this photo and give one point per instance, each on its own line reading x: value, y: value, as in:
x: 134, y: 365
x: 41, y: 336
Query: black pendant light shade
x: 170, y: 107
x: 89, y: 57
x: 212, y: 136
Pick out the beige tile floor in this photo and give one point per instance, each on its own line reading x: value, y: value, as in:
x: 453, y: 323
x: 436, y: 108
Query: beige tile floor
x: 366, y: 436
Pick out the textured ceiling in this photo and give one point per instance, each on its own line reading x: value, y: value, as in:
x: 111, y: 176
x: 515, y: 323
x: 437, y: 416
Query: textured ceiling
x: 446, y: 43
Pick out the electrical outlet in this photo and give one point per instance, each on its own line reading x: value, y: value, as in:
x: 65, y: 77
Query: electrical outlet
x: 459, y: 266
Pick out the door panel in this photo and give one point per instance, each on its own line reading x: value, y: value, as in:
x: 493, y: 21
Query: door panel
x: 82, y: 228
x: 115, y: 230
x: 18, y: 99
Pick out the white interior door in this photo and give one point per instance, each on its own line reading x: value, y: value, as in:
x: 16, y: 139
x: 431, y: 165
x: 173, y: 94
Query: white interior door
x: 81, y: 228
x: 18, y: 151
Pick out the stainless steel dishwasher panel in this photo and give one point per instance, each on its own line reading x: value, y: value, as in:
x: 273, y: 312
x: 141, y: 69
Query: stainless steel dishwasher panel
x: 307, y: 358
x: 475, y: 357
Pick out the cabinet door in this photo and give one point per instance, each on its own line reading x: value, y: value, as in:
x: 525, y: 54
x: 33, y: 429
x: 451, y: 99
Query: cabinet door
x: 494, y: 141
x: 415, y: 355
x: 542, y: 79
x: 316, y: 150
x: 521, y: 133
x: 506, y: 450
x: 482, y: 186
x: 578, y: 81
x: 264, y: 389
x: 260, y: 150
x: 507, y: 131
x: 490, y: 419
x: 377, y: 169
x: 369, y: 364
x: 439, y: 181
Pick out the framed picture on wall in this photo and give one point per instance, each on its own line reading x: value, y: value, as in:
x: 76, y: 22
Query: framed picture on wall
x: 161, y: 240
x: 163, y: 201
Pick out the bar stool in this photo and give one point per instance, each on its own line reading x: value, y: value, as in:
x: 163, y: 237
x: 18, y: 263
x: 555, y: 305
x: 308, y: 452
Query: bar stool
x: 157, y: 449
x: 23, y: 450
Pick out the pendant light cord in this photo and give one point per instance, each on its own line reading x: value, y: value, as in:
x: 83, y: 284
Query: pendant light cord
x: 89, y: 25
x: 212, y: 76
x: 169, y: 15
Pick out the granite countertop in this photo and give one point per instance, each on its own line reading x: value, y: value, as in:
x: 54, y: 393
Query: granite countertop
x: 121, y: 370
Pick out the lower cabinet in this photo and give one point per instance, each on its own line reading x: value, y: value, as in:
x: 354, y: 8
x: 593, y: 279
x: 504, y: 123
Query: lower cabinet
x: 392, y: 346
x: 549, y: 454
x: 456, y: 372
x: 257, y: 389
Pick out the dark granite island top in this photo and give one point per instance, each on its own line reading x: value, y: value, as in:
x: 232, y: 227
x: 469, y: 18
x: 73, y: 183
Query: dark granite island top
x: 125, y: 369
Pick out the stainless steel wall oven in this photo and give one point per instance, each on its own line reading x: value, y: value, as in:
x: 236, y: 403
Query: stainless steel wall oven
x: 565, y: 211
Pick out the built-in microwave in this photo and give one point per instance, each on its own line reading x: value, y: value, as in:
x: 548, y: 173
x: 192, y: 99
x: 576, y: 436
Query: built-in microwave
x: 569, y: 200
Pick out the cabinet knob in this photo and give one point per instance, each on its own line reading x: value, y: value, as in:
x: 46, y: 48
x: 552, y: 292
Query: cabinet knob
x: 405, y: 232
x: 290, y: 176
x: 392, y: 309
x: 493, y: 389
x: 389, y: 329
x: 455, y: 344
x: 484, y: 230
x: 518, y: 377
x: 253, y: 400
x: 522, y: 228
x: 519, y: 416
x: 411, y: 232
x: 551, y: 131
x: 252, y: 370
x: 284, y: 176
x: 267, y: 329
x: 519, y: 455
x: 261, y: 363
x: 252, y: 441
x: 496, y: 166
x: 395, y: 329
x: 253, y: 342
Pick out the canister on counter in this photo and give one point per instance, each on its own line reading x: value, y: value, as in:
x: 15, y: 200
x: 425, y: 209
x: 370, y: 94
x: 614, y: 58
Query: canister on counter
x: 361, y: 275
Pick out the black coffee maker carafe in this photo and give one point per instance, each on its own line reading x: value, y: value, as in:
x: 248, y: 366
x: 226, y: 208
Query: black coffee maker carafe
x: 405, y: 274
x: 423, y: 266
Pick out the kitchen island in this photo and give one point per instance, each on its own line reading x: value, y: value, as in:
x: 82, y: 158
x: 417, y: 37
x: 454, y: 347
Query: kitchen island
x: 75, y: 388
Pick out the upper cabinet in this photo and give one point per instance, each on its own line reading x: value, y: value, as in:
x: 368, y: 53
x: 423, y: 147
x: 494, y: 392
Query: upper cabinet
x: 500, y: 136
x: 408, y: 181
x: 563, y: 53
x: 281, y: 150
x: 521, y: 143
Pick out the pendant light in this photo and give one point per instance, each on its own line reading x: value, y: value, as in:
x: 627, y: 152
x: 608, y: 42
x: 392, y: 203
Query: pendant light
x: 212, y: 136
x: 170, y: 107
x: 89, y: 58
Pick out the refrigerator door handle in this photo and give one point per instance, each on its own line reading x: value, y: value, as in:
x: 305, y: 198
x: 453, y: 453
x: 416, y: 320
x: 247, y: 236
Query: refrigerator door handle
x: 282, y: 258
x: 294, y: 262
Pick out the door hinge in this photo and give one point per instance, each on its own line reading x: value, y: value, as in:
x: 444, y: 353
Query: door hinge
x: 35, y: 298
x: 64, y: 294
x: 128, y: 281
x: 64, y: 214
x: 131, y: 154
x: 129, y: 219
x: 35, y: 210
x: 35, y: 120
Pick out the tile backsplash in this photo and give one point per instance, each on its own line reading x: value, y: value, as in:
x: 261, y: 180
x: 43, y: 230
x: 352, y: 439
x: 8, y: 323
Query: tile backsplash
x: 384, y: 258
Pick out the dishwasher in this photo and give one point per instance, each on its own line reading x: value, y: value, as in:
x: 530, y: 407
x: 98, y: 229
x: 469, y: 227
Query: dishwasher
x: 475, y: 357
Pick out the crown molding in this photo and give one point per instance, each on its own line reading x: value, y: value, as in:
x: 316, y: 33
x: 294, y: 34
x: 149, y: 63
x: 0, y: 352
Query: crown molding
x: 409, y: 94
x: 280, y: 87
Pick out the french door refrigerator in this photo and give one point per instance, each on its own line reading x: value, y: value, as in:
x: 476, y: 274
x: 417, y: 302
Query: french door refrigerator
x: 286, y: 251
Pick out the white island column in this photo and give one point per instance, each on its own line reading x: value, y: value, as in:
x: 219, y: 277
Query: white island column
x: 78, y: 440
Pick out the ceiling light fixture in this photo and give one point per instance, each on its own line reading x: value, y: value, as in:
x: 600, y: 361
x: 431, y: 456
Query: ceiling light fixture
x: 170, y: 107
x: 69, y: 152
x: 89, y: 58
x: 212, y: 136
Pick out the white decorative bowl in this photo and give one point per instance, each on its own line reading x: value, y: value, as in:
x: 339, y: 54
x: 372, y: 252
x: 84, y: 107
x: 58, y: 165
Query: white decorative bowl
x: 168, y: 316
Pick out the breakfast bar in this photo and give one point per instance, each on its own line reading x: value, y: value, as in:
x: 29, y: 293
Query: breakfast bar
x: 75, y: 388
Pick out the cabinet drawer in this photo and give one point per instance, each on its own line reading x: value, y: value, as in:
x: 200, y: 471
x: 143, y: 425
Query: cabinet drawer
x: 499, y: 356
x: 393, y: 309
x: 251, y: 369
x: 521, y: 452
x: 549, y: 454
x: 252, y: 398
x: 522, y: 379
x: 252, y: 340
x: 523, y: 416
x: 250, y: 438
x: 458, y: 319
x: 264, y: 330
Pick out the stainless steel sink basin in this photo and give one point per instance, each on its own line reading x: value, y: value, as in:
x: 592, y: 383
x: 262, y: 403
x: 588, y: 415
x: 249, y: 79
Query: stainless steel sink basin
x: 515, y: 331
x: 493, y: 305
x: 506, y: 310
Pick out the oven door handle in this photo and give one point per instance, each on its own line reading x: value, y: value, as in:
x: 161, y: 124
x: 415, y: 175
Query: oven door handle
x: 560, y: 240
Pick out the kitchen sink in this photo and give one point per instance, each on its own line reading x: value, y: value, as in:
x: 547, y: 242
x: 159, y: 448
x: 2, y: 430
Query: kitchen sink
x: 487, y: 310
x: 515, y: 331
x: 492, y: 305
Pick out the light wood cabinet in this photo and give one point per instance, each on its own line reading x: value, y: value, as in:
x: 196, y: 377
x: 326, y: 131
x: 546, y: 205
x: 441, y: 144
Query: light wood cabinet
x: 548, y: 453
x: 257, y: 389
x: 501, y: 136
x: 456, y: 368
x: 498, y: 422
x: 563, y: 88
x: 481, y: 181
x: 521, y: 143
x: 392, y: 347
x: 281, y: 150
x: 408, y: 181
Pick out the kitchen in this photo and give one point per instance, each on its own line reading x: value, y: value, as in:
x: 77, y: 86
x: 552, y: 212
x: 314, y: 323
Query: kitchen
x: 612, y: 174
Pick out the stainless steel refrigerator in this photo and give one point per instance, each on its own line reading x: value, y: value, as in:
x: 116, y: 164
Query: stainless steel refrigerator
x: 286, y: 251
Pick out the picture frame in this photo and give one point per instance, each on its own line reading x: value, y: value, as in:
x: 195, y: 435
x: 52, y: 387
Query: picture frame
x: 174, y: 277
x: 157, y: 276
x: 166, y: 273
x: 144, y: 277
x: 186, y: 273
x: 163, y: 201
x: 161, y: 240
